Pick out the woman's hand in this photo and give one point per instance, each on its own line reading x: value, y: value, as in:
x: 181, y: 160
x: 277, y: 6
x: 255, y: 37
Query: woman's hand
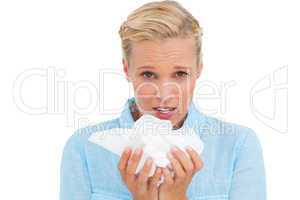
x: 174, y: 188
x: 140, y: 186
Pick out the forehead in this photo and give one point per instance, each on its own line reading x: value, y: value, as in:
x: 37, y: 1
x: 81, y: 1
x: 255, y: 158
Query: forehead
x: 172, y: 51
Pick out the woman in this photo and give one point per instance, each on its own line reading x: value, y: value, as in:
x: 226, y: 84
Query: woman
x: 161, y: 44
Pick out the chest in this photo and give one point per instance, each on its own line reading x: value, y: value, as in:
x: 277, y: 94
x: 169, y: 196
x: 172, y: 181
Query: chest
x: 211, y: 182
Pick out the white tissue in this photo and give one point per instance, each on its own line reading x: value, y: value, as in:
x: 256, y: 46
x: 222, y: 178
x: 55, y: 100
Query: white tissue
x: 155, y: 136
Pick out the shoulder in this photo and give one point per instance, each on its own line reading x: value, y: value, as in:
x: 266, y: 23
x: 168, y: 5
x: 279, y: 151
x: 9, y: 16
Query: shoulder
x: 80, y: 136
x: 227, y: 134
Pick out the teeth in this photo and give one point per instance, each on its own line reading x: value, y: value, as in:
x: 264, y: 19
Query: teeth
x: 164, y: 110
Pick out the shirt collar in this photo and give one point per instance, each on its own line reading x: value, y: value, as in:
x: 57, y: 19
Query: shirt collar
x: 195, y: 119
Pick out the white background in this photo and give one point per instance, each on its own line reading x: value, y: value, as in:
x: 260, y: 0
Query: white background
x: 46, y: 46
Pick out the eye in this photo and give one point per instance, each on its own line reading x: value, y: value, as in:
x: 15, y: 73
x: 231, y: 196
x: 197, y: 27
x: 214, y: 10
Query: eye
x: 181, y: 74
x: 147, y: 74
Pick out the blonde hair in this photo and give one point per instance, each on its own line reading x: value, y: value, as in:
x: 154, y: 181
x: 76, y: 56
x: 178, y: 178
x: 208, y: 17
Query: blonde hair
x: 159, y: 20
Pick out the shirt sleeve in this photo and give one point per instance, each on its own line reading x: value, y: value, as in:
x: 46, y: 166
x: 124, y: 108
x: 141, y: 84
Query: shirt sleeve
x: 74, y: 178
x: 248, y: 180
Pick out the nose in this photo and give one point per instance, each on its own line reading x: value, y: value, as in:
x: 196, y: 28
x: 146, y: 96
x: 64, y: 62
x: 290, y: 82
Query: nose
x: 168, y: 91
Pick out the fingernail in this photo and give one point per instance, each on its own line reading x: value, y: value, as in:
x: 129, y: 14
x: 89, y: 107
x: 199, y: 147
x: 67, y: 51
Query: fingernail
x: 158, y: 170
x: 127, y: 149
x: 174, y: 149
x: 189, y: 148
x: 169, y: 155
x: 138, y: 151
x: 149, y: 161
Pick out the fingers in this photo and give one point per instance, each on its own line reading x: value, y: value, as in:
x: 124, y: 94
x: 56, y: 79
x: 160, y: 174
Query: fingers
x: 184, y: 160
x: 143, y: 175
x: 170, y: 167
x: 197, y: 162
x: 153, y: 181
x: 179, y: 171
x: 124, y: 159
x: 133, y: 162
x: 168, y: 178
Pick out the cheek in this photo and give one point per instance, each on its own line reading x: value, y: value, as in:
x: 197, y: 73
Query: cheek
x: 187, y: 88
x: 145, y: 88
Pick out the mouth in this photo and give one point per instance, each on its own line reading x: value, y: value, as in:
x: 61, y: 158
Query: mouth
x: 164, y: 112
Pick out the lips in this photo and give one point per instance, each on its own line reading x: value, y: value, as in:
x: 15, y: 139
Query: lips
x: 164, y: 112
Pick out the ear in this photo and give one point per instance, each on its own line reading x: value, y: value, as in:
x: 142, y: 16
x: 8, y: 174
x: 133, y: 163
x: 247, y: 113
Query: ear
x: 126, y: 68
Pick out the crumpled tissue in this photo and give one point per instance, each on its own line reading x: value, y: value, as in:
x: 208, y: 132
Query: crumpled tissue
x: 154, y: 135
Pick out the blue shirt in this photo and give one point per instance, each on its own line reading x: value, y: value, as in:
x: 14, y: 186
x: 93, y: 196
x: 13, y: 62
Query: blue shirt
x: 233, y: 163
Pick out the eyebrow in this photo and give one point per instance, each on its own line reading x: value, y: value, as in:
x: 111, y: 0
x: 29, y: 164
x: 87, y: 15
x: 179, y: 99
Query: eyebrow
x: 176, y: 67
x: 145, y: 67
x: 181, y: 67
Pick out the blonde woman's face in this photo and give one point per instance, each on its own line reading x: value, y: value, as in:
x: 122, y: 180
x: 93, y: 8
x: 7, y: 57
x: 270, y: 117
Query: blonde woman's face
x: 163, y: 75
